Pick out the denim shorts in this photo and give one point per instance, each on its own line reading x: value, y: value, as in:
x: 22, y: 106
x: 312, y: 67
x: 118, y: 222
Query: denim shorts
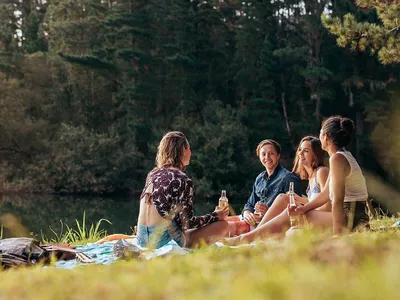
x: 159, y: 235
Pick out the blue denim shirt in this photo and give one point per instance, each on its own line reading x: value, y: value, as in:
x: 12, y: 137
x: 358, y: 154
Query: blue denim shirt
x: 266, y: 189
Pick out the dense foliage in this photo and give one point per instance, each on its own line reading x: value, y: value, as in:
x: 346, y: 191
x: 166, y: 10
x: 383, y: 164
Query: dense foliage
x: 382, y: 37
x: 88, y: 87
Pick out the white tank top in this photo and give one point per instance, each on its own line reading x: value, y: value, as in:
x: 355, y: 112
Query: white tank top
x: 355, y: 188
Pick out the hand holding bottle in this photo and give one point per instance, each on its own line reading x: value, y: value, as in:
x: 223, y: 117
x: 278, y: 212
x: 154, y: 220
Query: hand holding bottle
x: 301, y: 210
x: 223, y: 200
x: 249, y: 218
x: 292, y: 211
x: 222, y: 212
x: 300, y: 200
x: 261, y: 207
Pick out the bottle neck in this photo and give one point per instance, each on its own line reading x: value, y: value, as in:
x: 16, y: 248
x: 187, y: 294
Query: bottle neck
x: 291, y: 188
x: 223, y: 194
x: 291, y: 200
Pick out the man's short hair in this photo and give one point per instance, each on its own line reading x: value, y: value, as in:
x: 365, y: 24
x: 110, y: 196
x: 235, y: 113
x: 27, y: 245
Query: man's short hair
x: 268, y: 142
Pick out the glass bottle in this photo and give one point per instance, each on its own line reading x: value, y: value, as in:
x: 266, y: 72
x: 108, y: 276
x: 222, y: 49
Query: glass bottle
x: 294, y: 220
x: 258, y: 217
x: 223, y: 200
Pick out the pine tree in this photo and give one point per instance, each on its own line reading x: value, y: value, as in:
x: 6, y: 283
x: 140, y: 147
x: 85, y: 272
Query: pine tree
x: 381, y: 37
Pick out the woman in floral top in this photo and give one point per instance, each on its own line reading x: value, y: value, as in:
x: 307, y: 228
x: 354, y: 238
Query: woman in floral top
x: 166, y: 207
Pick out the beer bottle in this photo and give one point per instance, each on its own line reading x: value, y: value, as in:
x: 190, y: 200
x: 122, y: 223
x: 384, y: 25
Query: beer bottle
x: 223, y: 201
x: 294, y: 220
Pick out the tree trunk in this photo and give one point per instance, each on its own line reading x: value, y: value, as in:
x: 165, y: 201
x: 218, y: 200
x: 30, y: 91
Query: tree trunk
x: 286, y: 117
x: 318, y: 108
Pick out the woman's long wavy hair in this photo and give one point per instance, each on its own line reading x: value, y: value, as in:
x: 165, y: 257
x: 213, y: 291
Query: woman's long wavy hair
x: 319, y: 156
x: 170, y: 150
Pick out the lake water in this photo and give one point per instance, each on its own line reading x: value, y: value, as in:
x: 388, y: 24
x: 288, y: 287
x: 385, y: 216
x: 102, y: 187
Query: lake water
x: 38, y: 214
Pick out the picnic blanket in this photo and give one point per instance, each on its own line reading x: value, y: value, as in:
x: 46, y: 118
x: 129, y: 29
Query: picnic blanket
x: 104, y: 253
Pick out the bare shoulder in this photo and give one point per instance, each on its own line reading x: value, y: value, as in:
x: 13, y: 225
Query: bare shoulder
x: 337, y: 159
x: 322, y: 176
x: 323, y: 172
x: 339, y: 163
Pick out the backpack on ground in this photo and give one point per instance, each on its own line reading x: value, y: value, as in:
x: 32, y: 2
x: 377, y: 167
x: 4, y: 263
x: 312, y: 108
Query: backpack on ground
x: 27, y: 251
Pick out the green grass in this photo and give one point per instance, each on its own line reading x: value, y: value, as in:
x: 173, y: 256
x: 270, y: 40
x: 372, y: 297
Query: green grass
x: 383, y: 221
x: 308, y: 266
x: 82, y: 234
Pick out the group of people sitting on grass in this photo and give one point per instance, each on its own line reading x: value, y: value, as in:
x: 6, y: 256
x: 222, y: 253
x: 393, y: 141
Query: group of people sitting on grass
x: 336, y: 197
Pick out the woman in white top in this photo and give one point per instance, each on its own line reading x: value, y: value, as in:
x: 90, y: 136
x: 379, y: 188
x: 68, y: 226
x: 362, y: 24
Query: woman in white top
x: 346, y: 189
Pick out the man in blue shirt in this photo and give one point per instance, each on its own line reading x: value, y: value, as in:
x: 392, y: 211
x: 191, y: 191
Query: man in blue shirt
x: 270, y: 183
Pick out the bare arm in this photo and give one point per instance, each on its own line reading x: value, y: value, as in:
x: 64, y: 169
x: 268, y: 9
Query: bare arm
x: 322, y: 177
x: 300, y: 200
x: 318, y: 201
x: 323, y: 197
x: 340, y: 168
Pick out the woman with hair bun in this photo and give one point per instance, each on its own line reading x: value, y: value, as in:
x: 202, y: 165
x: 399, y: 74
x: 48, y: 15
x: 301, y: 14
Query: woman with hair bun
x: 346, y: 190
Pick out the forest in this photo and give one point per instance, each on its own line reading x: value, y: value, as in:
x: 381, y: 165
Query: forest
x: 88, y: 87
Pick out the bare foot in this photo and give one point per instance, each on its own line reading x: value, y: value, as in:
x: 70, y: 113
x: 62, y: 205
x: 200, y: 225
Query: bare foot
x: 233, y: 241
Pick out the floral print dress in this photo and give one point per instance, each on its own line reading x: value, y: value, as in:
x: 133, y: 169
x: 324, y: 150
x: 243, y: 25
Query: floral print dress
x: 172, y: 196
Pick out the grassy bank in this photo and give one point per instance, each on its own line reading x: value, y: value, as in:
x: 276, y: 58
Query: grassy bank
x: 311, y: 266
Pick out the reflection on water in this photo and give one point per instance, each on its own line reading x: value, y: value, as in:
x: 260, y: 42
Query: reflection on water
x: 39, y: 213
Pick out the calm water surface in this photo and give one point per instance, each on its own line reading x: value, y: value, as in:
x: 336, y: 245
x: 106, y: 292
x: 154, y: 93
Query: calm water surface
x: 38, y: 214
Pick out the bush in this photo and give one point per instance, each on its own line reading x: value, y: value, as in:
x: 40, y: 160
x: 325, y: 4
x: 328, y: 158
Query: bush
x: 83, y: 161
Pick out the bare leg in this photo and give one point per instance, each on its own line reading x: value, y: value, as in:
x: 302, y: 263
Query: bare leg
x: 319, y: 218
x: 231, y: 229
x: 276, y: 208
x: 275, y: 227
x: 278, y: 225
x: 208, y: 234
x: 326, y: 207
x: 115, y: 237
x: 279, y: 205
x: 237, y: 228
